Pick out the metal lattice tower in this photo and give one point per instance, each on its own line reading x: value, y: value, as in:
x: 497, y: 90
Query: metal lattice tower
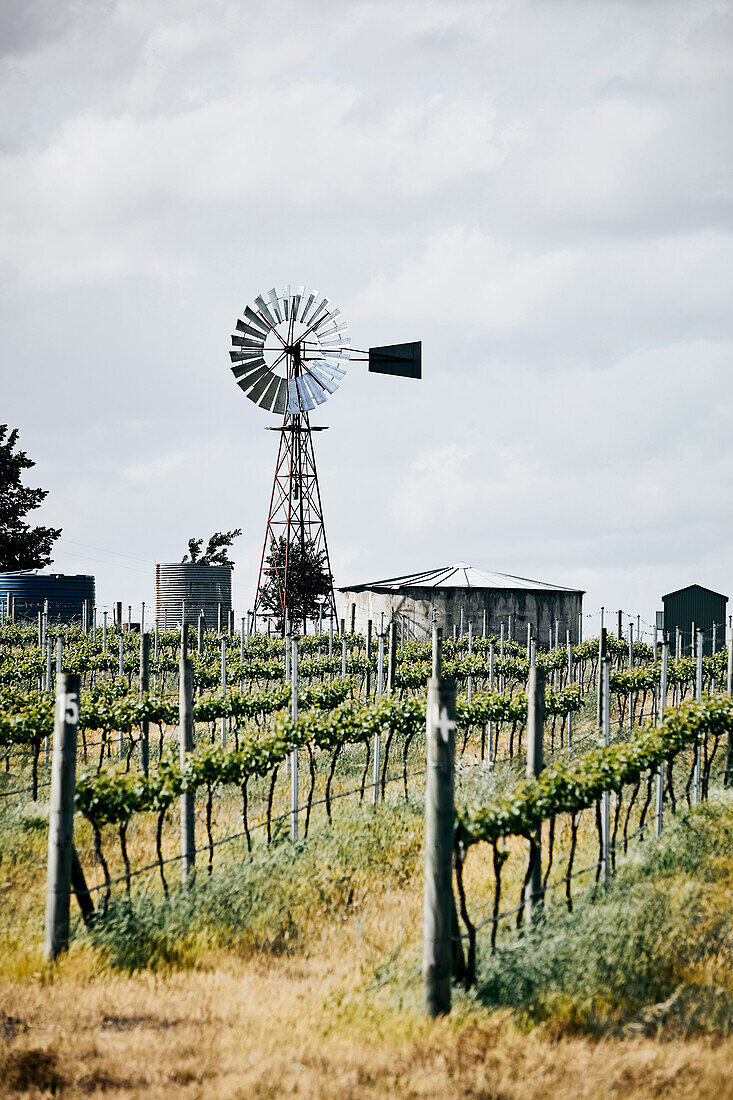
x: 296, y: 510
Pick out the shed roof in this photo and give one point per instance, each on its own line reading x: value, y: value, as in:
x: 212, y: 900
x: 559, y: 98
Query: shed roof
x: 460, y: 575
x: 689, y: 587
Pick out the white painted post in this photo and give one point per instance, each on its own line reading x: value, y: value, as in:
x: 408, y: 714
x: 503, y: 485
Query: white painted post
x: 104, y: 632
x: 460, y: 632
x: 343, y: 656
x: 439, y: 815
x: 61, y: 815
x: 294, y: 752
x: 155, y: 639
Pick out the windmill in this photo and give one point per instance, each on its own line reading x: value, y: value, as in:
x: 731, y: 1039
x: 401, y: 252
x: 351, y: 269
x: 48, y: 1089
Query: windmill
x: 289, y: 354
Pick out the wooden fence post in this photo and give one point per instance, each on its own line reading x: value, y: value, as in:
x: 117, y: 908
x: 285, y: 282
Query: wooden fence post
x: 61, y: 815
x: 391, y: 658
x: 728, y: 776
x: 144, y: 686
x: 223, y: 690
x: 697, y: 637
x: 368, y: 676
x: 659, y: 816
x: 185, y: 742
x: 606, y: 797
x: 294, y: 753
x: 535, y: 764
x: 439, y: 826
x: 602, y: 645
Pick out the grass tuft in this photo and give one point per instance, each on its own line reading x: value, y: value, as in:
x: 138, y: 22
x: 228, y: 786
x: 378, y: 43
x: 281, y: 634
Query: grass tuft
x: 652, y: 954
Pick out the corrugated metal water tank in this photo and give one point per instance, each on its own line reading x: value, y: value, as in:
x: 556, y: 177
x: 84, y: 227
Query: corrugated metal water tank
x: 198, y: 587
x: 65, y: 594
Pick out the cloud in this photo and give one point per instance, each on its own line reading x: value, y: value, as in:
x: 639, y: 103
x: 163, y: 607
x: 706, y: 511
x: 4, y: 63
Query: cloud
x: 540, y: 192
x: 154, y: 470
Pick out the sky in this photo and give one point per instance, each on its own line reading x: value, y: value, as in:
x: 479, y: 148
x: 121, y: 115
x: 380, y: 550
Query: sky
x: 538, y: 190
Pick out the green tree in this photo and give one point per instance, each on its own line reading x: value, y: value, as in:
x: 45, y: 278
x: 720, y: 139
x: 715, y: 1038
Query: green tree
x: 216, y: 548
x: 307, y: 579
x: 21, y: 546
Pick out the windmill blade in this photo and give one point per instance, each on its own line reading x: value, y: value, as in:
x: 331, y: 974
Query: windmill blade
x: 255, y: 320
x: 336, y: 342
x: 247, y: 342
x: 327, y: 317
x: 275, y: 304
x: 337, y: 353
x: 250, y: 330
x: 293, y: 398
x: 245, y: 354
x: 306, y: 400
x: 330, y: 368
x: 260, y: 386
x: 260, y: 303
x: 307, y: 305
x: 328, y: 383
x: 315, y: 389
x: 331, y: 330
x: 324, y: 304
x: 297, y: 298
x: 252, y: 379
x: 285, y: 298
x: 243, y: 369
x: 268, y: 397
x: 280, y: 403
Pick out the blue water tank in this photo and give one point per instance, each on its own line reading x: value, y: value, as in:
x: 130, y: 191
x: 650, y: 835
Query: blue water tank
x: 65, y: 595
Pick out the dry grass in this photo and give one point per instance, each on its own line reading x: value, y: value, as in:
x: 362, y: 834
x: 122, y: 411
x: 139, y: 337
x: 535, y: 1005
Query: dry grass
x: 291, y: 1028
x: 336, y: 1016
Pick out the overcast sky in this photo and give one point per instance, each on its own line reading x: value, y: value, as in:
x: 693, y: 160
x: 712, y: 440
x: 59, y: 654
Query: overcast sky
x: 539, y: 191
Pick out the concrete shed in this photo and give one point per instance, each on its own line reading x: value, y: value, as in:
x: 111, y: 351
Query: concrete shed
x: 514, y: 601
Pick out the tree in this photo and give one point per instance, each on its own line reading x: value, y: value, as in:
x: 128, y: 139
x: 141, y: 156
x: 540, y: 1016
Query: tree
x: 216, y: 548
x: 21, y: 546
x: 307, y: 579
